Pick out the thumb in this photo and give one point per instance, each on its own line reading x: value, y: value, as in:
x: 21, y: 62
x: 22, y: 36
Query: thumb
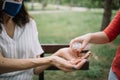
x: 81, y: 63
x: 83, y: 46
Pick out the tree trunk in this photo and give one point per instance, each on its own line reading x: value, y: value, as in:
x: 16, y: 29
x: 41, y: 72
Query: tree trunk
x: 32, y: 4
x: 107, y: 13
x: 71, y: 3
x: 44, y: 4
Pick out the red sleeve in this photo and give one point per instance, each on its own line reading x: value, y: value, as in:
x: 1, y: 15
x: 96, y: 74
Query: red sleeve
x: 113, y: 29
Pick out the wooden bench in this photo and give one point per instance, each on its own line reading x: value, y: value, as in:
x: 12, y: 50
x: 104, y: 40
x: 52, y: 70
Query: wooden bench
x: 51, y: 48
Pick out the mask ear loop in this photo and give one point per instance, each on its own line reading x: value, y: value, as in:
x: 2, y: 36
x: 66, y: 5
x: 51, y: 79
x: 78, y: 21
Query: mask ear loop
x: 0, y: 29
x: 22, y: 2
x: 3, y: 4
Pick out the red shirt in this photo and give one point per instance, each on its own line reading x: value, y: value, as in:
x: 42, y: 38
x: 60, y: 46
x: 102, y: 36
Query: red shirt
x: 112, y: 31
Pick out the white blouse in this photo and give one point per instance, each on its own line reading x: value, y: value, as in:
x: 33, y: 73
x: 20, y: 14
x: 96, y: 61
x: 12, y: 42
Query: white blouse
x: 24, y: 44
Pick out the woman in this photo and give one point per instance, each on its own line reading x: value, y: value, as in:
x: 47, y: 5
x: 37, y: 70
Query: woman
x: 19, y: 45
x: 108, y: 35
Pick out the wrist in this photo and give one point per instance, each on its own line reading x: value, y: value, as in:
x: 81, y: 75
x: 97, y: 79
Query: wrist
x: 43, y: 61
x: 52, y: 60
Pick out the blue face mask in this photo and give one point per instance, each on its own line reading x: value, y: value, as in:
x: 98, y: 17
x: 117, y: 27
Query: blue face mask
x: 11, y: 7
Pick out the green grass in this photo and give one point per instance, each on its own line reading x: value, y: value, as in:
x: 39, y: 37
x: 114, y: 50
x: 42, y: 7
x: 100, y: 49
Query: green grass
x: 60, y: 28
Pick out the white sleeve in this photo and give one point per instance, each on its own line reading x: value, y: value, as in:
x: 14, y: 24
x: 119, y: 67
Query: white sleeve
x: 36, y: 44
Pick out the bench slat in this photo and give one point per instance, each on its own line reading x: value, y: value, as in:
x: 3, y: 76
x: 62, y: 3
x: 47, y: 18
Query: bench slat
x: 51, y: 48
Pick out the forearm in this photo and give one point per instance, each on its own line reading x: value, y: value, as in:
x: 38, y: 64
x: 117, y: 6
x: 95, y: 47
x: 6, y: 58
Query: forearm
x: 99, y: 38
x: 39, y: 69
x: 9, y: 65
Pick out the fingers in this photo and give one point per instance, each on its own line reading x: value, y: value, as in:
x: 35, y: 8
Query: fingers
x: 73, y: 41
x: 62, y: 64
x: 80, y: 64
x: 68, y: 66
x: 71, y: 68
x: 86, y: 55
x: 77, y: 46
x: 84, y: 40
x: 75, y: 61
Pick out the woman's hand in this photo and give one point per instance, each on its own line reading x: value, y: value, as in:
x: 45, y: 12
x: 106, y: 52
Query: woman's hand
x: 67, y: 55
x: 96, y: 38
x: 84, y: 40
x: 65, y: 65
x: 82, y: 57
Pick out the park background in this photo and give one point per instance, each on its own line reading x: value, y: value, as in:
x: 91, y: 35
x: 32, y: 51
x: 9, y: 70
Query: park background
x: 59, y: 21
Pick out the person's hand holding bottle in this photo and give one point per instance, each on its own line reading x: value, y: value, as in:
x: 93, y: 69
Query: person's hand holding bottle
x: 82, y: 43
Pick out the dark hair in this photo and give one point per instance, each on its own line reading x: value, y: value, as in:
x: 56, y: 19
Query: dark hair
x: 20, y: 19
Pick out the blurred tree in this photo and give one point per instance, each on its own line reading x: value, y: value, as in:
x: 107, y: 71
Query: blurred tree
x: 32, y: 4
x: 71, y: 3
x: 107, y: 13
x: 40, y: 1
x: 116, y: 4
x: 44, y: 4
x: 91, y: 3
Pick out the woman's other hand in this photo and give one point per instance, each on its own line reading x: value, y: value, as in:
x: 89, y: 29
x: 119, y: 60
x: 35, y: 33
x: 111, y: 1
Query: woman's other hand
x: 84, y: 40
x: 65, y: 65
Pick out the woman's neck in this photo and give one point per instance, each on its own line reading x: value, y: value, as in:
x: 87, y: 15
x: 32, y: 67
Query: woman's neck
x: 6, y: 19
x: 9, y: 25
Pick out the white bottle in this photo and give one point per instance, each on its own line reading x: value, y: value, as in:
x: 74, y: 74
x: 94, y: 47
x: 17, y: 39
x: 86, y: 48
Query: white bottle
x: 78, y: 45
